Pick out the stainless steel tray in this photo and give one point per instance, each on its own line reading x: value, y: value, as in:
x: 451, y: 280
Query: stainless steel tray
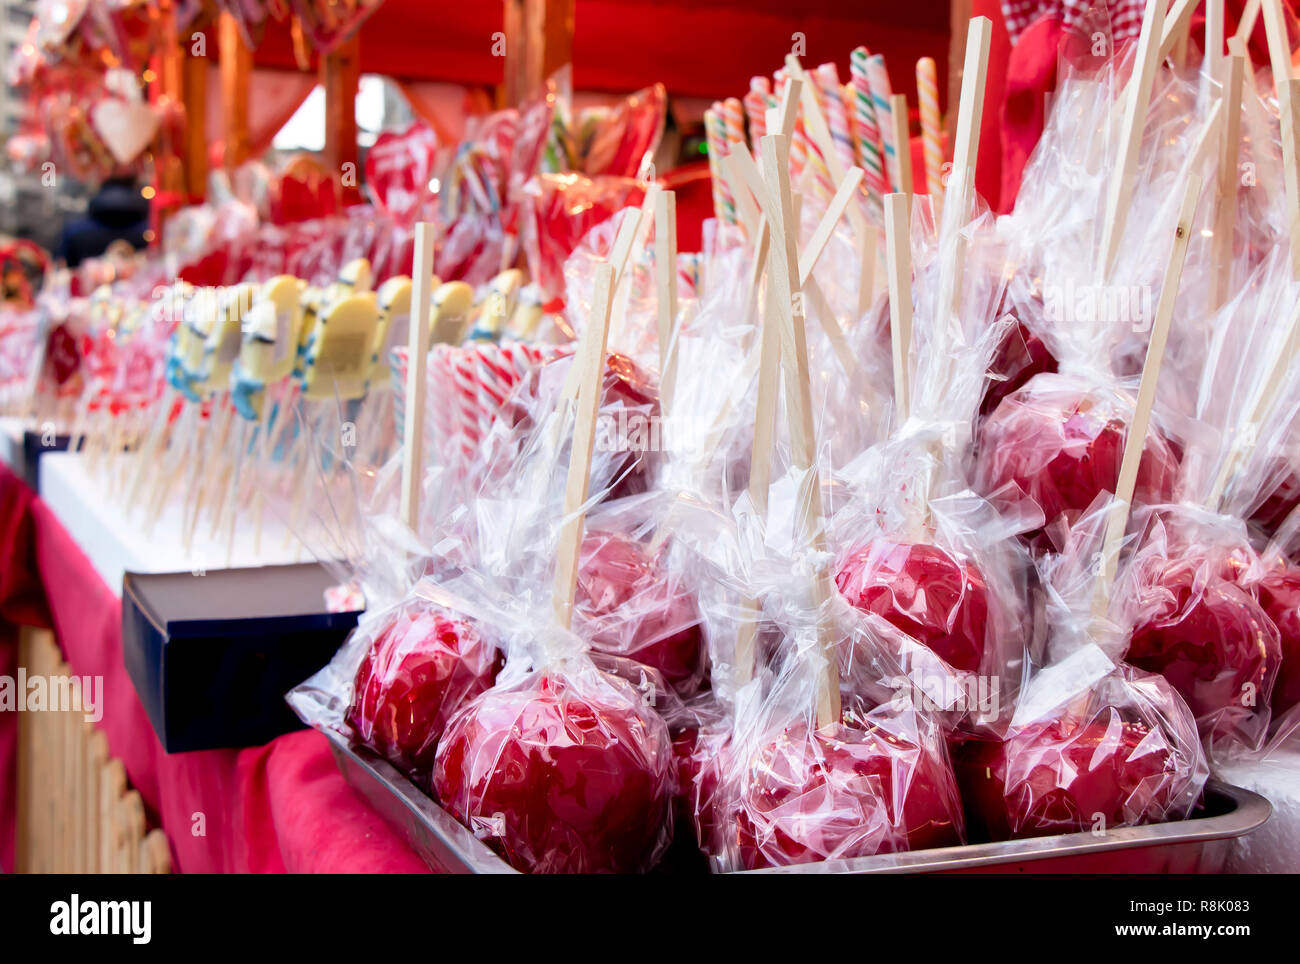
x: 1198, y: 845
x: 440, y: 839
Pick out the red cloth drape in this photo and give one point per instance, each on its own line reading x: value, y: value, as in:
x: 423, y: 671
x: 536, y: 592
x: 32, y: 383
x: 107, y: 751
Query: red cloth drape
x: 273, y: 97
x: 276, y: 808
x: 1031, y: 73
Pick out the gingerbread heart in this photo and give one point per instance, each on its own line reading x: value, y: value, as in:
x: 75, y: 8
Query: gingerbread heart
x: 125, y: 128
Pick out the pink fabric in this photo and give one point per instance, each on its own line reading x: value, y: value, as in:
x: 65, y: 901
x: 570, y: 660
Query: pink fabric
x: 270, y: 809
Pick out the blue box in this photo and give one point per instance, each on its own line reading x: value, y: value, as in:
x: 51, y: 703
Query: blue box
x: 34, y: 446
x: 212, y: 655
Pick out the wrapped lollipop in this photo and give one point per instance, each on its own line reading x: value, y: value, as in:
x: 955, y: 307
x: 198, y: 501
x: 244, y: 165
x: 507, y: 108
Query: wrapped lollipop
x: 1093, y: 746
x: 1192, y: 587
x: 567, y: 770
x: 1056, y: 442
x: 921, y: 551
x: 799, y: 779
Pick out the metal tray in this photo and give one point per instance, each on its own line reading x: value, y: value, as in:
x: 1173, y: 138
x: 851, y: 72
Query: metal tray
x: 1199, y: 845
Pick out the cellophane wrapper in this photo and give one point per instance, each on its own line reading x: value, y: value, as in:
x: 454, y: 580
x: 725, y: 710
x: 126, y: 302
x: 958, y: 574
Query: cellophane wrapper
x: 775, y: 789
x: 916, y: 548
x: 1094, y: 745
x: 1056, y: 441
x: 1188, y: 592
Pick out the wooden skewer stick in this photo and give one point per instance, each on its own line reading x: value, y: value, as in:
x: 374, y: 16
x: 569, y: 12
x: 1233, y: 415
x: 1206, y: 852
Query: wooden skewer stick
x: 760, y: 467
x: 1137, y: 97
x: 1134, y: 444
x: 1288, y: 95
x: 416, y: 366
x: 784, y: 279
x: 1213, y: 38
x: 898, y: 255
x: 628, y: 230
x: 867, y: 268
x: 1177, y: 23
x: 959, y: 199
x: 815, y: 124
x: 1226, y: 218
x: 1249, y: 17
x: 902, y: 141
x: 666, y: 294
x: 844, y: 196
x: 970, y: 117
x: 591, y: 362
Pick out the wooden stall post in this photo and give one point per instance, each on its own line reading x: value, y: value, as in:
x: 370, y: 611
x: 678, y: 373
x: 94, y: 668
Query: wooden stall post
x: 236, y: 65
x: 340, y: 75
x: 194, y: 88
x: 538, y: 41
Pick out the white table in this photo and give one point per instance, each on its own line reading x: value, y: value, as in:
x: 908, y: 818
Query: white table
x: 115, y: 541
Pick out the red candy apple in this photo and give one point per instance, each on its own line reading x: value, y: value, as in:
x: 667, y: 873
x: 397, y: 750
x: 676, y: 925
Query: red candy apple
x: 815, y: 795
x: 1066, y: 775
x: 569, y: 775
x: 697, y: 759
x: 632, y: 608
x: 1279, y: 594
x: 938, y: 600
x: 1280, y: 503
x: 421, y: 668
x: 1021, y: 355
x: 1212, y: 641
x: 1063, y: 448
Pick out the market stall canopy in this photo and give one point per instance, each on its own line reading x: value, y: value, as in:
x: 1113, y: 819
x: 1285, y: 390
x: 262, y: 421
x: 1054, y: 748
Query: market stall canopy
x: 700, y: 49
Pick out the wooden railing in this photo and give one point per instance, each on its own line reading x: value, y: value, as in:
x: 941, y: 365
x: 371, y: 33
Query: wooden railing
x: 76, y: 811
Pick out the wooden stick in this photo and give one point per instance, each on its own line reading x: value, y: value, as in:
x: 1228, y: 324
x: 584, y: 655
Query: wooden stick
x: 970, y: 117
x: 1138, y: 96
x: 416, y: 366
x: 794, y: 353
x: 1213, y: 38
x: 867, y: 269
x: 627, y: 233
x: 1249, y: 17
x: 666, y: 292
x: 1177, y: 23
x: 1134, y: 444
x: 1288, y: 94
x: 760, y: 466
x: 826, y: 226
x: 898, y: 255
x: 591, y: 359
x: 903, y: 140
x: 815, y: 124
x: 1226, y: 213
x: 834, y: 333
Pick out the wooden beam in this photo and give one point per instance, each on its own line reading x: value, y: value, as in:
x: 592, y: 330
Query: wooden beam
x: 340, y: 75
x: 236, y: 65
x: 538, y: 42
x: 194, y: 84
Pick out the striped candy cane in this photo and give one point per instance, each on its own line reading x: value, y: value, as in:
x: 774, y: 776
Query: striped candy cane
x: 927, y: 87
x: 869, y: 147
x: 756, y: 104
x: 878, y: 78
x: 724, y: 206
x: 827, y: 79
